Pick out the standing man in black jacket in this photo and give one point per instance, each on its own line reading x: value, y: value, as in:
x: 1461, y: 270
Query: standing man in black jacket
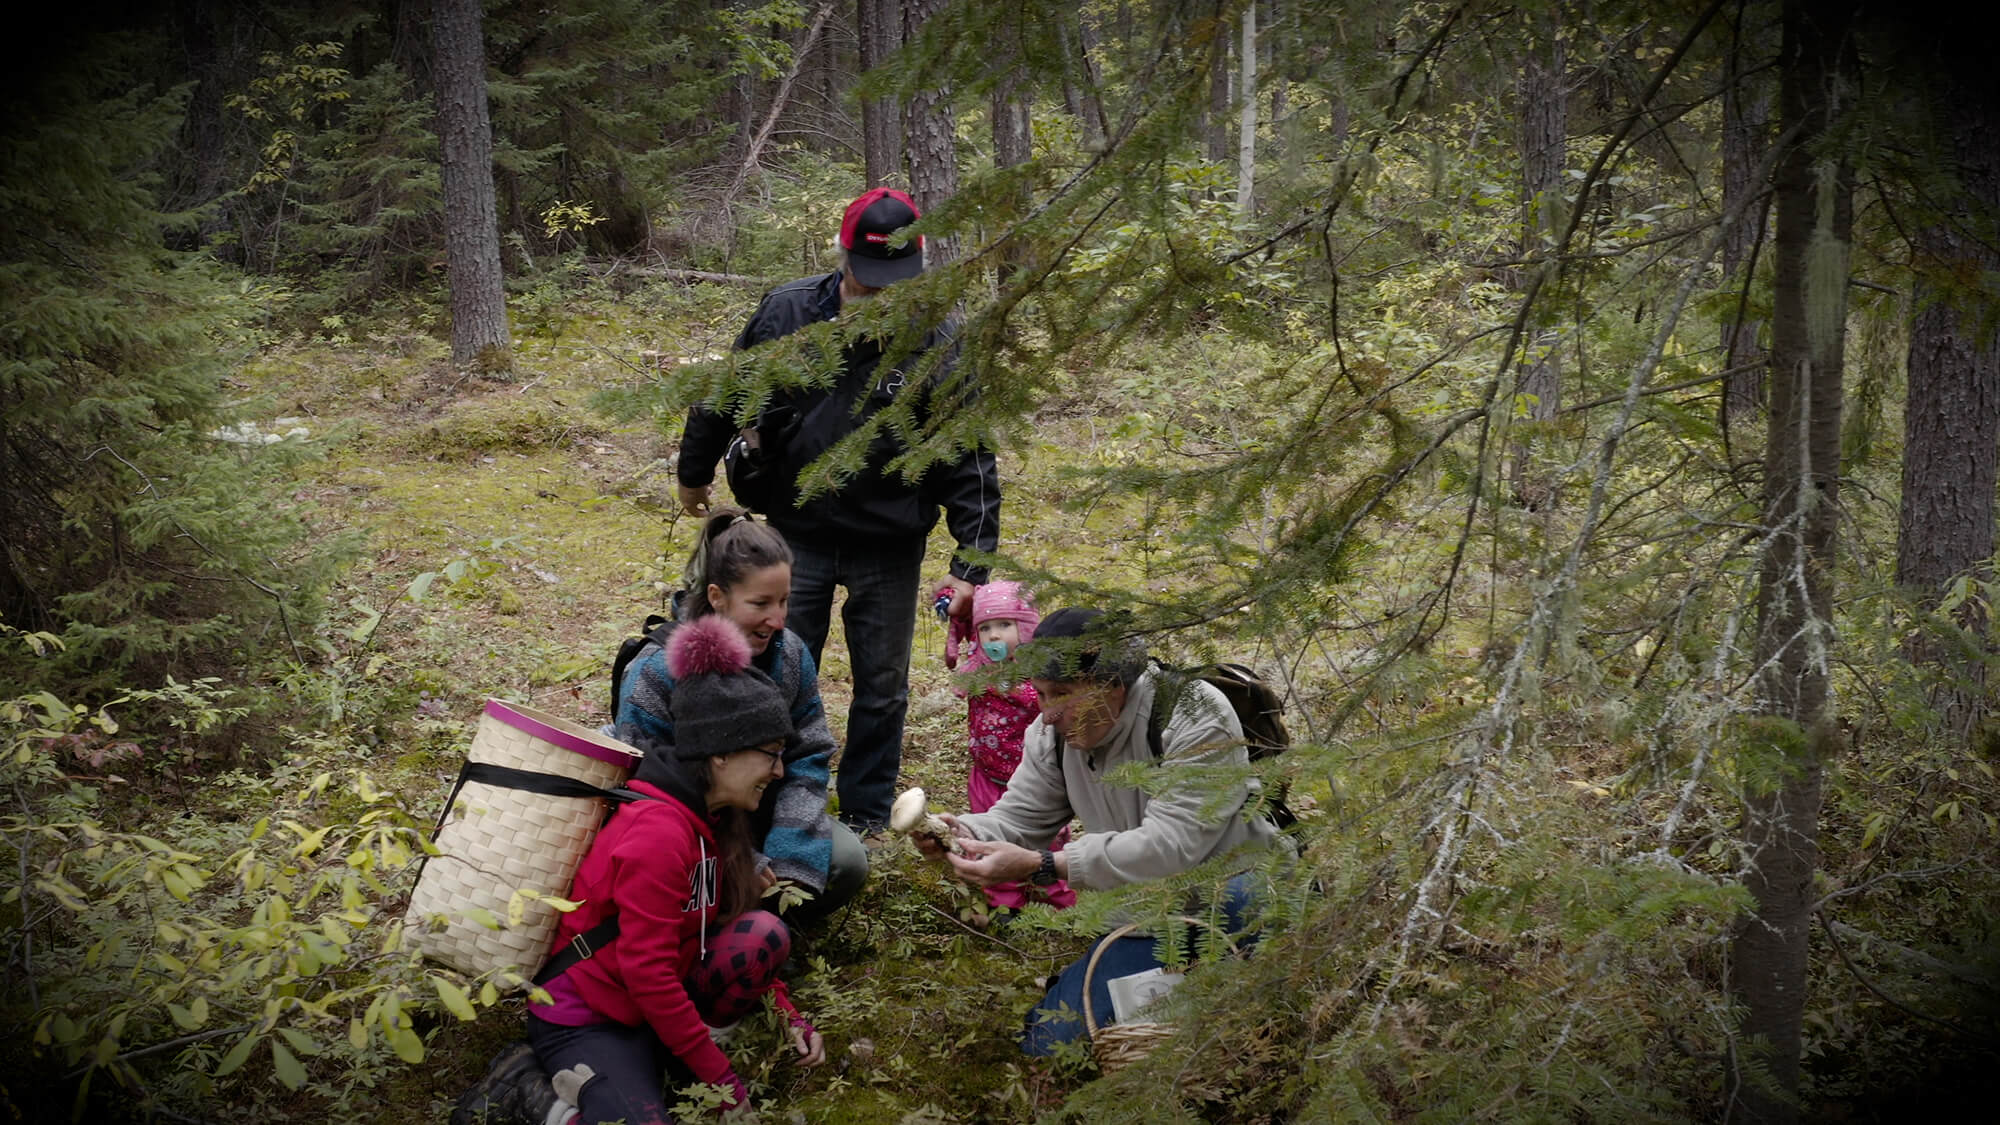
x: 869, y: 534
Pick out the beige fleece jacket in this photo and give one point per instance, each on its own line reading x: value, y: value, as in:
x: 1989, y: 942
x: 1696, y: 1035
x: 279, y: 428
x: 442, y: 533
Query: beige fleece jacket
x: 1128, y: 836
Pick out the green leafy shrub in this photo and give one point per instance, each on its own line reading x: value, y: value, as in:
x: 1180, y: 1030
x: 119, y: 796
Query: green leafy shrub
x: 174, y: 962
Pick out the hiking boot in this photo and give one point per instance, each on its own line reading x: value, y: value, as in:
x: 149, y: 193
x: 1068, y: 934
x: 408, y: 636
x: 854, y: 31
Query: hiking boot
x: 570, y: 1081
x: 514, y: 1091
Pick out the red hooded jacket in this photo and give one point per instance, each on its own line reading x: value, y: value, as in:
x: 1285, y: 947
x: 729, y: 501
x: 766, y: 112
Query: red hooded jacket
x: 654, y: 865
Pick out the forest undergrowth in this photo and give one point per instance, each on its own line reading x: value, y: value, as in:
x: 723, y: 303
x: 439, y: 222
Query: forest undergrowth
x: 1514, y: 906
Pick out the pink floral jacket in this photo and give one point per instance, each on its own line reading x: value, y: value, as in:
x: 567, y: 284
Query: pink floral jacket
x: 997, y: 720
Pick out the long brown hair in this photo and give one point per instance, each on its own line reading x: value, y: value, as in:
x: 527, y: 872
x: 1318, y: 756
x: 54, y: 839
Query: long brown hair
x: 736, y: 889
x: 732, y: 546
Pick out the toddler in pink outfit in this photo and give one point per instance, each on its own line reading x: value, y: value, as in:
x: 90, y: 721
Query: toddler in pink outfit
x: 1003, y: 619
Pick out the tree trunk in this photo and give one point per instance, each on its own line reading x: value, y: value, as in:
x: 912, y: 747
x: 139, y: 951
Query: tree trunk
x: 1013, y: 129
x: 1783, y: 761
x: 472, y: 229
x: 878, y: 29
x: 1217, y: 124
x: 1080, y: 81
x: 1013, y: 146
x: 1951, y: 421
x: 1746, y: 120
x: 1280, y: 92
x: 1246, y: 132
x: 933, y: 142
x: 203, y: 128
x: 1544, y: 143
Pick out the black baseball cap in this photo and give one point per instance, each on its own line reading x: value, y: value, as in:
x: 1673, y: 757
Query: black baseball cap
x: 868, y: 232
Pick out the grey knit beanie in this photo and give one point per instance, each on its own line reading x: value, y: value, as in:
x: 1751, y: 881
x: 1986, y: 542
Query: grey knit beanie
x: 721, y: 704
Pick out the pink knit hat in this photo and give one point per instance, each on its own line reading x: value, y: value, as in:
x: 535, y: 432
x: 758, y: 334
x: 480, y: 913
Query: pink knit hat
x: 997, y: 601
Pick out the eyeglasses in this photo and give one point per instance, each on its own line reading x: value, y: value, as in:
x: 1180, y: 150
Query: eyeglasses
x: 777, y: 756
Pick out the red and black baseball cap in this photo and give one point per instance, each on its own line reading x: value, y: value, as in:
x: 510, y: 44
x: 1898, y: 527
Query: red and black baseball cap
x: 875, y: 255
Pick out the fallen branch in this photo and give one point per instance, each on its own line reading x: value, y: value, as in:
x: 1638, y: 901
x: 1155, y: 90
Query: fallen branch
x: 703, y: 275
x: 778, y: 100
x: 1855, y: 971
x: 1916, y: 959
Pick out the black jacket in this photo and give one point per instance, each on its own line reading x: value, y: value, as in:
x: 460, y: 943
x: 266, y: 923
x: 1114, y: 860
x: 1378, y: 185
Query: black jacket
x: 871, y: 503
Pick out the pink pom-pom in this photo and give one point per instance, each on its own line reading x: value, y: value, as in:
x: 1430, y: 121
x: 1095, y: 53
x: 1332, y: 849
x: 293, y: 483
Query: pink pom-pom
x: 707, y: 646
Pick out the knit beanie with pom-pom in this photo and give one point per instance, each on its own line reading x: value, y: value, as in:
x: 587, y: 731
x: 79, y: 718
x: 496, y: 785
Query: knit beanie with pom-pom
x: 1005, y: 601
x: 720, y: 703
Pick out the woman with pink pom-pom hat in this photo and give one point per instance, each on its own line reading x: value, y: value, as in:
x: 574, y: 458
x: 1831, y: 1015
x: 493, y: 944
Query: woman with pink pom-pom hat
x: 668, y: 941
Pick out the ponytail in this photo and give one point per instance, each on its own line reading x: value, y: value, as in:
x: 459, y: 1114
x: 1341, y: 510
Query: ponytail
x: 731, y: 547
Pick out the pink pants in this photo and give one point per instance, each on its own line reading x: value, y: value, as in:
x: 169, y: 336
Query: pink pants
x: 981, y: 793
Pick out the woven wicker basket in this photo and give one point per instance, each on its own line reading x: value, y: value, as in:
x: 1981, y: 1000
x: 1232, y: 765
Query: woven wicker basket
x: 1120, y: 1044
x: 494, y: 840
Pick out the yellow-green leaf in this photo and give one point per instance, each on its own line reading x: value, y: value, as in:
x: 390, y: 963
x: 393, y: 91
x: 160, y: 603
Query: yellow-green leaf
x: 407, y: 1046
x: 183, y: 1017
x: 489, y: 995
x: 310, y: 841
x: 357, y: 1033
x: 454, y: 999
x: 238, y: 1054
x: 287, y: 1066
x: 199, y: 1009
x: 300, y: 1041
x: 327, y: 952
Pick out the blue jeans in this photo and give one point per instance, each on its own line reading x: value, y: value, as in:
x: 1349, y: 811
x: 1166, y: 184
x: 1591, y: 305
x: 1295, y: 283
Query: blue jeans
x: 1059, y: 1017
x: 882, y: 577
x: 629, y: 1063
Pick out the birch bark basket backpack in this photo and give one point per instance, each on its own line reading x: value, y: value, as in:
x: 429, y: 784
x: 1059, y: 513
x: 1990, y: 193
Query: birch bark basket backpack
x: 532, y: 794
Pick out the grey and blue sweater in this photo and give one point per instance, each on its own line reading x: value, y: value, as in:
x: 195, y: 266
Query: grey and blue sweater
x: 792, y: 822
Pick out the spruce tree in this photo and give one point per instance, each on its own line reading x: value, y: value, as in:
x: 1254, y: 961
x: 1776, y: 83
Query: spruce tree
x: 142, y: 526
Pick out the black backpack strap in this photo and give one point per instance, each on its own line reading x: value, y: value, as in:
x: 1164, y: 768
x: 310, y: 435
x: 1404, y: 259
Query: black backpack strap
x: 656, y: 630
x: 1169, y: 683
x: 1276, y: 810
x: 580, y: 948
x: 507, y: 777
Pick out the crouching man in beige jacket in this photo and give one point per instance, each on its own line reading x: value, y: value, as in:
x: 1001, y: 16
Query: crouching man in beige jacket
x: 1098, y: 697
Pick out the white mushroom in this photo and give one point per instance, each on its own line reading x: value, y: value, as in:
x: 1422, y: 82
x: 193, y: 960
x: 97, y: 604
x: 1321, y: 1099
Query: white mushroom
x: 911, y: 816
x: 907, y: 811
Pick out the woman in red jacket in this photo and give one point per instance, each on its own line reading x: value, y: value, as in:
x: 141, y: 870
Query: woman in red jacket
x: 678, y: 870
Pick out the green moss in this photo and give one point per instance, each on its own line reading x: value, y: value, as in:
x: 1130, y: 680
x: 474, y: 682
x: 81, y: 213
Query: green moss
x: 500, y: 422
x: 506, y: 602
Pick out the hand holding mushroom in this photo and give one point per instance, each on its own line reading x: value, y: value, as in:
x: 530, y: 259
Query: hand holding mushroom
x: 910, y: 816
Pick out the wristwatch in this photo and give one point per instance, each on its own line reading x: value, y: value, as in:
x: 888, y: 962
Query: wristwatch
x: 1046, y: 873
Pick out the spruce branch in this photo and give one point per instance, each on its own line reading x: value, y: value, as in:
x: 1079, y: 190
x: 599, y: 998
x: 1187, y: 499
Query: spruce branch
x: 277, y: 599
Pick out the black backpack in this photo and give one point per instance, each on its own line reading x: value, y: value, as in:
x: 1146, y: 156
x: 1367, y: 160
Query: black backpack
x: 655, y: 631
x: 1258, y: 708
